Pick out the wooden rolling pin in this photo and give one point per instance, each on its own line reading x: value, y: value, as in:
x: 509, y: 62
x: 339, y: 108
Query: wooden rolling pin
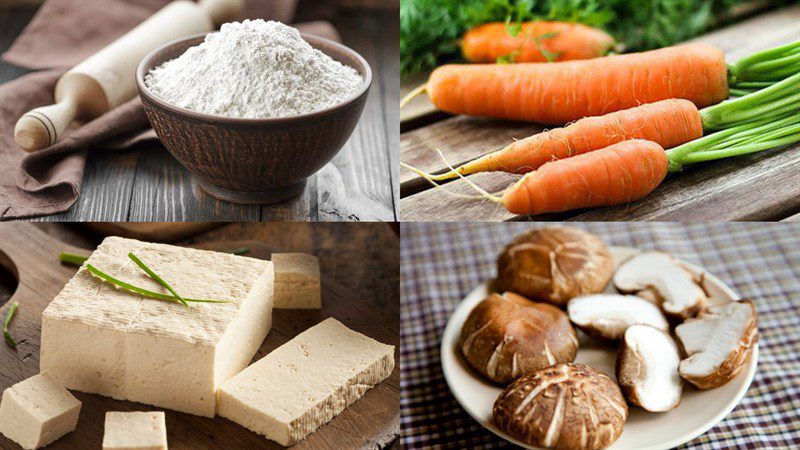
x: 107, y: 79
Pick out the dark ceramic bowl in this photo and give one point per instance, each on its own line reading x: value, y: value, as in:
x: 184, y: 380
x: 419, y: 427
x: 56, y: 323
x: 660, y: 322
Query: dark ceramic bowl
x: 256, y: 161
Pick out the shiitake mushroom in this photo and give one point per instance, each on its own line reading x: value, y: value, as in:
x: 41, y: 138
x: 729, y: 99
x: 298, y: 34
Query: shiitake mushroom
x: 568, y: 406
x: 554, y: 265
x: 507, y: 335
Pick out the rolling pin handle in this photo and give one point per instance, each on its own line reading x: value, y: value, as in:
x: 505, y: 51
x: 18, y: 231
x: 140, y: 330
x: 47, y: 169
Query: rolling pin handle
x: 222, y: 11
x: 42, y: 127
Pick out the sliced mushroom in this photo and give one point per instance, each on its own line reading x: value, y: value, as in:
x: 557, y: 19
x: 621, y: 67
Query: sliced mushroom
x: 718, y: 343
x: 651, y: 295
x: 607, y: 316
x: 507, y: 335
x: 554, y: 264
x: 647, y: 369
x: 569, y: 406
x: 679, y: 291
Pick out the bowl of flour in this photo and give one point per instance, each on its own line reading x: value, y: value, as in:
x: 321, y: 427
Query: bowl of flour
x: 254, y: 109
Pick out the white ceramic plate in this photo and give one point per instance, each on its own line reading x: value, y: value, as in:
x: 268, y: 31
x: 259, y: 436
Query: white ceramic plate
x: 697, y: 413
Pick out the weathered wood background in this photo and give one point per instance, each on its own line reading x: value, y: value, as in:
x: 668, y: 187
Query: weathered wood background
x: 763, y: 186
x: 360, y: 184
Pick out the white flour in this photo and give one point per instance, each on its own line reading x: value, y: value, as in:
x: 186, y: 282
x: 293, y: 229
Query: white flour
x: 254, y: 69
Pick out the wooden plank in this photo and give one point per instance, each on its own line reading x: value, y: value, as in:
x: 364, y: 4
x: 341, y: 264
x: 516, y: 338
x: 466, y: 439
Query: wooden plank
x: 106, y: 189
x: 163, y: 191
x: 360, y: 279
x: 457, y: 202
x: 357, y: 184
x: 302, y: 208
x: 390, y: 66
x: 463, y: 139
x: 755, y: 187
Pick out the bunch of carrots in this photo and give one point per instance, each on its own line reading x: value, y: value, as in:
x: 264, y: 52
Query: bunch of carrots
x: 623, y: 111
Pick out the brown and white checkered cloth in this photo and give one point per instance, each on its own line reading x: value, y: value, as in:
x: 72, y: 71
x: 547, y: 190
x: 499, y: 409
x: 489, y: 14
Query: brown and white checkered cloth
x: 441, y: 263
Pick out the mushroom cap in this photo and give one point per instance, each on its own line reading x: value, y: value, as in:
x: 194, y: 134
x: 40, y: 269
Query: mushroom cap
x: 718, y: 343
x: 554, y: 264
x: 678, y: 291
x: 569, y: 406
x: 607, y: 316
x: 647, y: 369
x: 506, y: 336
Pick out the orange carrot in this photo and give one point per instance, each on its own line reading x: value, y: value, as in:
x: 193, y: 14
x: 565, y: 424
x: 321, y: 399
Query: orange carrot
x: 668, y: 123
x: 620, y: 173
x: 558, y: 93
x: 535, y: 42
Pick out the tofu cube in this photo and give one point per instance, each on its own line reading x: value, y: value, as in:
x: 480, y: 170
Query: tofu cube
x: 100, y: 339
x: 37, y: 411
x: 138, y: 430
x: 297, y: 284
x: 304, y: 383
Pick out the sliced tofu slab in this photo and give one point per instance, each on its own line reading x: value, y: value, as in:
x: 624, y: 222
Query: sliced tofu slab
x: 297, y: 284
x: 37, y: 411
x: 137, y: 430
x: 103, y: 340
x: 304, y: 383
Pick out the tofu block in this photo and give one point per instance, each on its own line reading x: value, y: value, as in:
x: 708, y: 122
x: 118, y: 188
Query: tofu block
x: 297, y: 283
x: 37, y: 411
x: 138, y: 430
x: 108, y: 341
x: 304, y: 383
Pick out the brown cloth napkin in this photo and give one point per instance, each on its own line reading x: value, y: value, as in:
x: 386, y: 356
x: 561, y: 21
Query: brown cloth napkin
x: 48, y: 181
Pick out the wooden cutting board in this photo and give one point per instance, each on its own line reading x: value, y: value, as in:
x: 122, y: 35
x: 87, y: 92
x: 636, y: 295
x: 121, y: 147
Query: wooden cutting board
x: 152, y: 231
x: 373, y: 421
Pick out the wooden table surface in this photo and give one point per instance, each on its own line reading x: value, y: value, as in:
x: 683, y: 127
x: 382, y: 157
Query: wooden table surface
x: 360, y: 278
x: 763, y: 186
x: 360, y: 184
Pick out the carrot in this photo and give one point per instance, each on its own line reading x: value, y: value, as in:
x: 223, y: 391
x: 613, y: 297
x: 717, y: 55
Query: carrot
x: 539, y: 41
x: 619, y: 173
x: 558, y: 93
x: 668, y: 123
x: 629, y: 170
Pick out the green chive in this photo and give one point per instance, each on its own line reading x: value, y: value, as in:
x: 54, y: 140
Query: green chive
x: 154, y: 276
x: 141, y: 291
x: 9, y: 339
x: 72, y: 259
x: 239, y: 251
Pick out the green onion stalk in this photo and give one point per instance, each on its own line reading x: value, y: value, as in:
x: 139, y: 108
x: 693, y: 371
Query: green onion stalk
x: 141, y: 291
x: 79, y: 260
x: 156, y: 278
x: 10, y: 340
x: 72, y: 258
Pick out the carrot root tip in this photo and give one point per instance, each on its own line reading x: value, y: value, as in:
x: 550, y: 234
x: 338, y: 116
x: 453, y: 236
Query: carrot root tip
x: 430, y: 180
x: 413, y: 94
x: 471, y: 183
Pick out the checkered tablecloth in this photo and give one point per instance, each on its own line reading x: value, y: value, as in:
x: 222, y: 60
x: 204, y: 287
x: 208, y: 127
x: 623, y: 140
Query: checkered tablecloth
x: 441, y: 263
